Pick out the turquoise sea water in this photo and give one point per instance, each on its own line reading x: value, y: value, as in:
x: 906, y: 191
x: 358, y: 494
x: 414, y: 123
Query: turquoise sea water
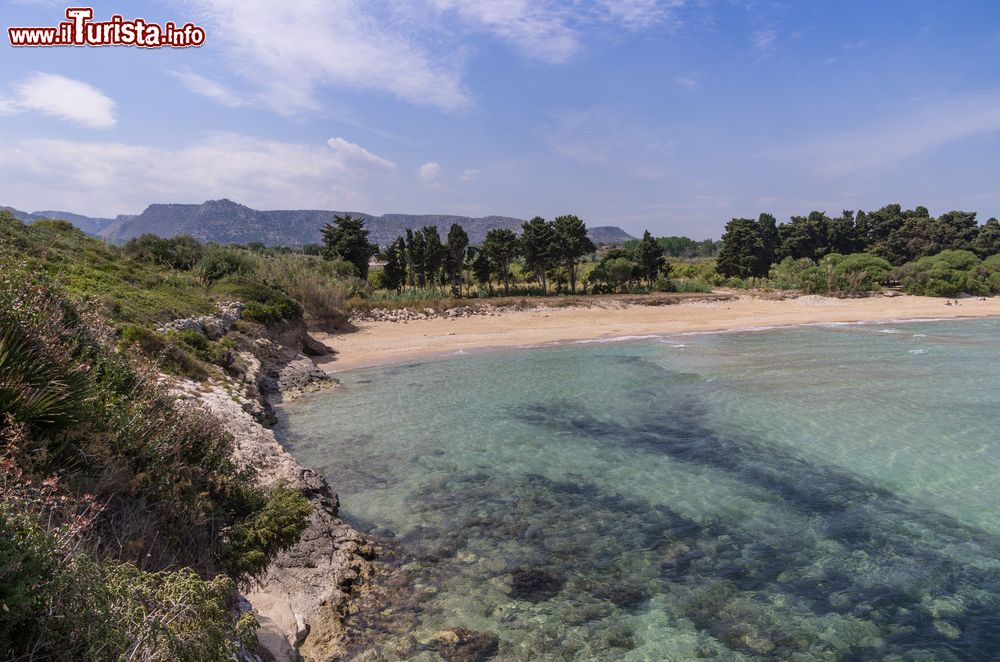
x: 818, y: 493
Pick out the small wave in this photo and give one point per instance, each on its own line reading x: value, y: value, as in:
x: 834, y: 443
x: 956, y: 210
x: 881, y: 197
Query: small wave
x: 889, y: 331
x: 919, y: 335
x: 614, y: 339
x: 918, y: 351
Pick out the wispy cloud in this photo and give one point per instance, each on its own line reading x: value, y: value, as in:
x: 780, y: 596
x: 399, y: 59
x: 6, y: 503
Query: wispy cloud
x: 689, y: 82
x: 208, y: 88
x: 430, y: 172
x: 539, y: 29
x: 888, y: 144
x: 640, y: 14
x: 63, y: 98
x: 113, y: 177
x: 413, y: 51
x: 291, y: 50
x: 764, y: 40
x: 350, y: 153
x: 601, y: 135
x: 470, y: 175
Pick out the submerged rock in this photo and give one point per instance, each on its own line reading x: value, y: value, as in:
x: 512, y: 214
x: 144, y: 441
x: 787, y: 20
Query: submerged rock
x: 621, y: 595
x: 534, y: 584
x: 464, y: 645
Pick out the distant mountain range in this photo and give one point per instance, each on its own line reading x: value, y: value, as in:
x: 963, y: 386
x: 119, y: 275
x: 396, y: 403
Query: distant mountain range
x: 88, y: 224
x: 228, y: 222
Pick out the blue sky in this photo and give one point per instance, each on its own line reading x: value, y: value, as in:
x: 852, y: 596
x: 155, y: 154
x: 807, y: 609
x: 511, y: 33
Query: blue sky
x: 672, y: 115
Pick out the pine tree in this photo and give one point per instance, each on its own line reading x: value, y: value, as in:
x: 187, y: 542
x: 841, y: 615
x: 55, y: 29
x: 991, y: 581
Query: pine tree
x: 394, y: 272
x: 651, y: 258
x: 458, y: 241
x: 347, y: 239
x: 500, y: 248
x: 538, y: 247
x: 571, y: 244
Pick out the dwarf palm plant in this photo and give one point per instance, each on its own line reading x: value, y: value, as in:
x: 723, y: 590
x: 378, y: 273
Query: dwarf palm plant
x: 36, y: 390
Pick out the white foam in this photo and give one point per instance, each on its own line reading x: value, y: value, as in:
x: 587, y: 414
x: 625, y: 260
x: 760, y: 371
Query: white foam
x: 614, y: 339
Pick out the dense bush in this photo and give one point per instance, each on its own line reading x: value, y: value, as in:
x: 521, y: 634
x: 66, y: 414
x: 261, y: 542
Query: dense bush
x: 123, y: 525
x: 265, y: 304
x: 833, y: 274
x: 320, y: 286
x: 221, y: 262
x: 947, y: 274
x: 274, y: 520
x: 701, y: 271
x: 845, y: 274
x: 787, y: 274
x: 62, y: 604
x: 182, y: 252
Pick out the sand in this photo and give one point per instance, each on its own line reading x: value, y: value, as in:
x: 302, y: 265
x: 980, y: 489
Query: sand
x: 379, y: 343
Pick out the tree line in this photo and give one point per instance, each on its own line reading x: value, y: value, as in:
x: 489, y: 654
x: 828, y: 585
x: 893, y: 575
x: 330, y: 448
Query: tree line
x: 751, y: 246
x: 546, y: 251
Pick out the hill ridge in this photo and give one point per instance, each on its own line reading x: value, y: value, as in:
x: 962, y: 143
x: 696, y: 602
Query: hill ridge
x: 227, y: 222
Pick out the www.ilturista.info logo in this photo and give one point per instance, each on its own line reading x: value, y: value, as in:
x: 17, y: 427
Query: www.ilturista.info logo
x: 81, y: 30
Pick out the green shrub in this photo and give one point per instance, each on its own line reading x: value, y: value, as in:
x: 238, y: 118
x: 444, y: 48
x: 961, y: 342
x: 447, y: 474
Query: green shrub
x: 278, y: 520
x: 700, y: 270
x: 169, y: 478
x: 28, y: 562
x: 844, y: 274
x: 692, y: 285
x: 194, y: 340
x: 221, y: 262
x: 182, y: 252
x: 63, y: 605
x: 33, y: 390
x: 947, y: 274
x: 320, y: 286
x: 264, y: 304
x: 134, y: 614
x: 664, y: 284
x: 788, y: 274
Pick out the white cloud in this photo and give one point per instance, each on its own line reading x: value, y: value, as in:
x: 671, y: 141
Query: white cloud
x: 291, y: 49
x: 413, y: 51
x: 886, y: 145
x: 62, y: 98
x: 639, y: 14
x: 470, y: 175
x: 690, y: 82
x: 352, y: 153
x: 763, y: 40
x: 551, y: 31
x: 208, y: 88
x: 601, y: 135
x: 429, y: 172
x: 541, y: 30
x: 120, y: 177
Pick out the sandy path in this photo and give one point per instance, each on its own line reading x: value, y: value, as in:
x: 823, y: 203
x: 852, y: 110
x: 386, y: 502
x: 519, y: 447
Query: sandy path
x: 378, y: 343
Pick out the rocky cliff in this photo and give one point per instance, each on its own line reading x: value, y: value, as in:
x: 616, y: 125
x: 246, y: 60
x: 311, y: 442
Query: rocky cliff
x: 225, y: 221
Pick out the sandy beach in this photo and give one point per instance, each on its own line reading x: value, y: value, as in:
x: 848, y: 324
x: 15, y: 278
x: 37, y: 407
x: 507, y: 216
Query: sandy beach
x: 379, y: 343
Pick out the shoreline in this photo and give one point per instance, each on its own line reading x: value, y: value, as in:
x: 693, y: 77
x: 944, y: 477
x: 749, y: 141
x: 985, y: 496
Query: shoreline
x: 386, y: 342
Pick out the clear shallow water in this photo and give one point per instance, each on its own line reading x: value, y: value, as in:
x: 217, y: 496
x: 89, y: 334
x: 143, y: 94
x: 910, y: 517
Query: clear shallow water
x: 821, y: 493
